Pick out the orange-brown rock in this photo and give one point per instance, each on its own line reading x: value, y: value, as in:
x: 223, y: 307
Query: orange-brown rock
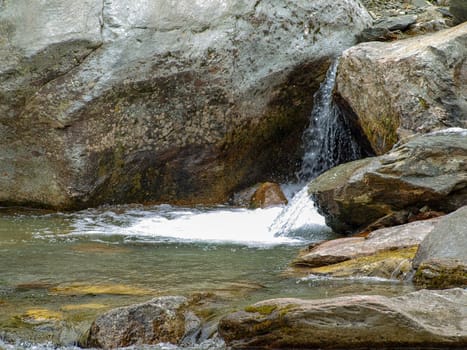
x: 268, y: 194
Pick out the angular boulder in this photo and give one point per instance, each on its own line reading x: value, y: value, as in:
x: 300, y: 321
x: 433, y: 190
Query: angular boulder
x: 416, y: 320
x: 441, y: 260
x: 428, y: 173
x: 406, y: 87
x: 162, y: 101
x: 163, y: 319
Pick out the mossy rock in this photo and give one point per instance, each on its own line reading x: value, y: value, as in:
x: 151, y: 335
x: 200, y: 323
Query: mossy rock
x: 262, y: 309
x: 41, y: 315
x: 441, y: 274
x: 386, y: 264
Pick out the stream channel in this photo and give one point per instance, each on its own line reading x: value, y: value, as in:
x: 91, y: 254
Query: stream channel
x: 59, y: 271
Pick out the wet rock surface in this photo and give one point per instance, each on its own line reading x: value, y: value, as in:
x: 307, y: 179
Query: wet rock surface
x: 406, y: 87
x: 424, y: 318
x: 154, y: 101
x: 389, y: 190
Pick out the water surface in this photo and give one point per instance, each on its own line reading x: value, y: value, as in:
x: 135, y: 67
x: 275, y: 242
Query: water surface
x: 58, y: 271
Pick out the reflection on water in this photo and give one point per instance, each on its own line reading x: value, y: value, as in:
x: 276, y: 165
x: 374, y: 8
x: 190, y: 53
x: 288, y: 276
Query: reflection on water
x: 59, y: 270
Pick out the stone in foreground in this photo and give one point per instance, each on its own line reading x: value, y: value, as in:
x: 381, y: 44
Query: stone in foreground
x: 343, y: 249
x: 420, y: 319
x: 163, y: 319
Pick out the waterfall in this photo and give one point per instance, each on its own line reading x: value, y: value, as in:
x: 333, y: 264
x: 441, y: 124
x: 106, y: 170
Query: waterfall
x: 328, y: 141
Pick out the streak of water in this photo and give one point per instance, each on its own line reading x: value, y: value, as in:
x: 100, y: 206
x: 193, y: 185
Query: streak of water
x: 328, y: 141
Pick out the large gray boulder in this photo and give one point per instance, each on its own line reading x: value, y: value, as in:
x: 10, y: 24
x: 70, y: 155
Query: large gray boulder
x: 426, y: 174
x: 186, y: 101
x: 441, y: 260
x: 435, y: 319
x: 406, y: 87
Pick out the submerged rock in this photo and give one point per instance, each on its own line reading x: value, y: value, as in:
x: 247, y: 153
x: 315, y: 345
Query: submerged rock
x: 428, y: 173
x: 441, y: 261
x: 406, y: 87
x: 160, y: 320
x: 420, y: 319
x: 41, y: 315
x: 181, y: 102
x: 96, y: 289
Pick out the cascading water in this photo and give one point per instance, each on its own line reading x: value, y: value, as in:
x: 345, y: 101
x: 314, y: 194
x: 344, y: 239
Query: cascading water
x: 328, y: 141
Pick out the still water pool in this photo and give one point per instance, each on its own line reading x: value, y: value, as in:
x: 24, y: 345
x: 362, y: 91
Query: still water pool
x: 58, y: 271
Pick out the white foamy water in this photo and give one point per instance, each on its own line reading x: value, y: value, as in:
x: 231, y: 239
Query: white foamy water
x: 172, y: 224
x: 237, y: 226
x: 300, y: 218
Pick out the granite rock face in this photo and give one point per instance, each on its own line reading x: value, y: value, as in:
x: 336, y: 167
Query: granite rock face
x: 428, y: 173
x: 162, y: 101
x: 416, y: 320
x: 406, y: 87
